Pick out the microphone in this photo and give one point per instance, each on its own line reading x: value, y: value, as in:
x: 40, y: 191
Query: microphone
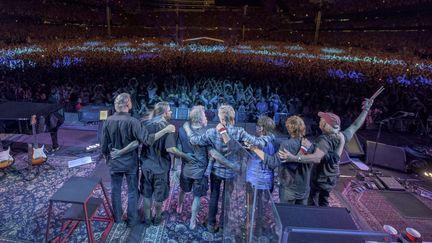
x: 407, y: 114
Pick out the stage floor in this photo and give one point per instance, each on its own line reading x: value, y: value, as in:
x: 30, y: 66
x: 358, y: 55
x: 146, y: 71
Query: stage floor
x: 23, y: 204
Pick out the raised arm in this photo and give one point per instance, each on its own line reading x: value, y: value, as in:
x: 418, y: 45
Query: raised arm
x: 349, y: 132
x: 341, y: 146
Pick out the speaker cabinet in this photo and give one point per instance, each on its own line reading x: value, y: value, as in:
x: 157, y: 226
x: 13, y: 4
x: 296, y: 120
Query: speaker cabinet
x: 387, y: 156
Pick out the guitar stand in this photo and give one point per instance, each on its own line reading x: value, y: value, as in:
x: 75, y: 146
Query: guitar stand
x: 9, y: 170
x: 31, y: 174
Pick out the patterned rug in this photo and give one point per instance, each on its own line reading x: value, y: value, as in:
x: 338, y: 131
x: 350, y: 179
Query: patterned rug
x: 24, y: 204
x: 175, y: 227
x: 24, y: 208
x: 373, y: 207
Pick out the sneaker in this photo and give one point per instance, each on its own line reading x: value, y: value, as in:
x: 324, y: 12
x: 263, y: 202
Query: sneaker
x: 147, y: 222
x: 157, y: 220
x: 192, y: 224
x: 211, y: 228
x: 179, y: 209
x: 54, y: 149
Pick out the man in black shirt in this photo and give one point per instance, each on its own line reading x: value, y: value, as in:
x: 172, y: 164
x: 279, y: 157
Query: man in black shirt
x: 156, y: 163
x: 118, y: 131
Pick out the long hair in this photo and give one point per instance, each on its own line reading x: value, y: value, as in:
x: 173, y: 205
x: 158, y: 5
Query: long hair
x: 227, y: 113
x: 156, y: 114
x: 295, y: 126
x: 197, y: 115
x: 267, y: 124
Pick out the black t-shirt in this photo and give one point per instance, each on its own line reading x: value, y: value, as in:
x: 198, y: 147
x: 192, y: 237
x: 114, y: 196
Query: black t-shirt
x: 194, y: 170
x: 295, y: 176
x: 118, y: 131
x: 329, y: 165
x: 155, y: 157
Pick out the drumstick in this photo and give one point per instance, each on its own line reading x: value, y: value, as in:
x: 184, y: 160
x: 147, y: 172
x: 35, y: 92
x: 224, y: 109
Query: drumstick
x: 378, y: 92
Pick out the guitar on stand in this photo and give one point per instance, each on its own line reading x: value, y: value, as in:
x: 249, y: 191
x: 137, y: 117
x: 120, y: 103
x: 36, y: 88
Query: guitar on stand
x: 37, y: 156
x: 6, y: 161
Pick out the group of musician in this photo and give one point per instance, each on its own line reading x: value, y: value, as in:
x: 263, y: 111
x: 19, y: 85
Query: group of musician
x: 146, y: 152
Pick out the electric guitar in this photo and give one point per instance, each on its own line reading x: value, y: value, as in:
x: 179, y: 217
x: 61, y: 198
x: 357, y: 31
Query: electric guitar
x: 6, y: 159
x: 38, y: 155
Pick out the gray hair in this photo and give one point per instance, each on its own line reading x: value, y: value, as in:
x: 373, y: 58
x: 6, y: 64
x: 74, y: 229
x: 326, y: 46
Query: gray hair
x: 227, y: 113
x: 196, y: 115
x: 160, y: 108
x: 121, y: 101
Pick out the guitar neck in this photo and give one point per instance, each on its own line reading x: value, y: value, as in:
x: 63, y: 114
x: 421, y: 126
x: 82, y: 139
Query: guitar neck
x: 35, y: 141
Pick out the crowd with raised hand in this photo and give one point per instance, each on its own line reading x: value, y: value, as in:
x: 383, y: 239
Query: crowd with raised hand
x: 254, y: 84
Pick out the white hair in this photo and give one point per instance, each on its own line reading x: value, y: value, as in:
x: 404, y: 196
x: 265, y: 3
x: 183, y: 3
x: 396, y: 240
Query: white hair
x: 121, y: 101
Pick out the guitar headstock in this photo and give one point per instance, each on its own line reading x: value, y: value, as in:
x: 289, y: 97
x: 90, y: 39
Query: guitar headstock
x: 33, y: 120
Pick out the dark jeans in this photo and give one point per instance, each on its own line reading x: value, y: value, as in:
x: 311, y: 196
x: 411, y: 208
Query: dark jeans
x: 132, y: 210
x: 287, y: 195
x: 320, y: 191
x: 261, y: 198
x: 54, y: 138
x: 215, y: 187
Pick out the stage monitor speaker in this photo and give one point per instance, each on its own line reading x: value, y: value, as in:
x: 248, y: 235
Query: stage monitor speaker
x: 315, y: 217
x: 387, y: 156
x: 354, y: 147
x: 345, y: 158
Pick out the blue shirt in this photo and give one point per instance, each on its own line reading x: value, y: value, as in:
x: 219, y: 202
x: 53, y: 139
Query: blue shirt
x: 213, y: 138
x: 258, y: 174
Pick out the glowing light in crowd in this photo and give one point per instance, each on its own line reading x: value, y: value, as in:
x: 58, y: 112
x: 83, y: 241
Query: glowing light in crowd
x: 147, y: 44
x: 294, y: 48
x: 403, y: 80
x: 19, y: 51
x: 423, y: 66
x: 332, y: 50
x: 122, y: 44
x: 268, y: 47
x: 205, y: 48
x: 352, y: 75
x: 244, y: 47
x: 92, y: 43
x: 279, y: 62
x: 139, y: 56
x: 170, y: 45
x: 16, y: 63
x: 281, y: 57
x: 67, y: 61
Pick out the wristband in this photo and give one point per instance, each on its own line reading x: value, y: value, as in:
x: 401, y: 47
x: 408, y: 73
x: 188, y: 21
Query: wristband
x: 221, y: 130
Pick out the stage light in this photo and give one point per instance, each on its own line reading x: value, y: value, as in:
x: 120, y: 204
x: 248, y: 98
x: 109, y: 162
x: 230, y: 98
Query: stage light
x: 92, y: 147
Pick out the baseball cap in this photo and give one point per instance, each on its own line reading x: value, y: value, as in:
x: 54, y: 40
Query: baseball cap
x: 330, y: 118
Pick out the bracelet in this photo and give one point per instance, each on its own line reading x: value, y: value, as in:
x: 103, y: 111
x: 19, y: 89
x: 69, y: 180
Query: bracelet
x: 224, y: 131
x: 221, y: 130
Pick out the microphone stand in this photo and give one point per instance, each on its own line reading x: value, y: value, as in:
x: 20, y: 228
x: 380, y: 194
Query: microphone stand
x: 376, y: 145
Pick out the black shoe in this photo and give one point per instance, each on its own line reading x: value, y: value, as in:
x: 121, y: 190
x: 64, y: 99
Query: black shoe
x: 157, y: 220
x: 211, y: 228
x: 147, y: 222
x: 54, y: 149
